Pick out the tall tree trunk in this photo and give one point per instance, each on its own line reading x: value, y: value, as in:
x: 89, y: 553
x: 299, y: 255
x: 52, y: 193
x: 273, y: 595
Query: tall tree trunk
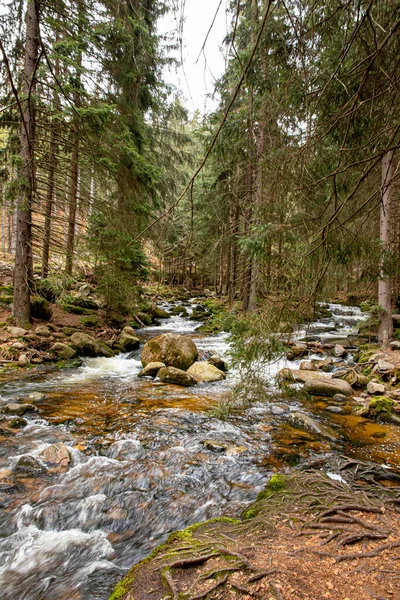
x: 74, y: 190
x: 23, y: 252
x: 51, y: 179
x: 385, y: 329
x: 73, y: 203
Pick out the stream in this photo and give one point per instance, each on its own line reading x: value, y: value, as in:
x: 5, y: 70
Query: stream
x: 148, y: 459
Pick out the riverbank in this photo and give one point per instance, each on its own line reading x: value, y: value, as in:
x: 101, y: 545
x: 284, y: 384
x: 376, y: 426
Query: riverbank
x: 309, y: 535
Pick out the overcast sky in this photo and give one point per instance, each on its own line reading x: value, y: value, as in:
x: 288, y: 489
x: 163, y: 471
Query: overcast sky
x: 196, y: 79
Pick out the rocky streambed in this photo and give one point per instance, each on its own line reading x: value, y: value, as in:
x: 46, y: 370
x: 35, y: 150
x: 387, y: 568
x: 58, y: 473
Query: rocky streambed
x: 107, y: 463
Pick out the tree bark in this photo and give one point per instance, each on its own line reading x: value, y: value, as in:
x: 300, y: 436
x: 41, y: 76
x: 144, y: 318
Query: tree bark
x: 23, y: 254
x: 385, y: 328
x: 73, y: 203
x: 50, y: 181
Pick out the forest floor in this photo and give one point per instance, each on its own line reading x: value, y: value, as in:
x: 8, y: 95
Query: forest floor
x: 307, y: 537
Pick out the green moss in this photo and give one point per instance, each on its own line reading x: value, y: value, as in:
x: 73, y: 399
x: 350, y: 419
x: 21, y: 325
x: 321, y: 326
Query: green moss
x: 275, y: 484
x: 250, y: 513
x: 89, y: 321
x: 380, y: 406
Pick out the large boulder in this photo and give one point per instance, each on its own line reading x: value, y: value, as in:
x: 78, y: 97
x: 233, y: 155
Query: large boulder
x: 88, y: 346
x: 203, y: 371
x: 327, y: 387
x: 176, y: 376
x: 63, y: 351
x: 172, y: 349
x: 301, y: 375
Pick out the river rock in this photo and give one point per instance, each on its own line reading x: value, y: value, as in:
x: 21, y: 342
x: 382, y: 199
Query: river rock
x: 159, y: 313
x: 36, y: 396
x: 385, y: 367
x: 18, y: 423
x: 18, y: 346
x: 151, y: 369
x: 203, y: 371
x: 128, y: 342
x: 218, y: 362
x: 301, y: 376
x: 340, y: 398
x: 29, y: 465
x: 327, y: 387
x: 88, y: 346
x: 173, y: 350
x: 339, y: 351
x: 23, y: 360
x: 56, y: 453
x: 395, y: 345
x: 63, y: 351
x: 214, y: 446
x: 18, y: 409
x: 43, y: 331
x: 375, y: 388
x: 307, y: 365
x: 17, y: 331
x: 176, y: 376
x: 128, y: 330
x: 302, y: 420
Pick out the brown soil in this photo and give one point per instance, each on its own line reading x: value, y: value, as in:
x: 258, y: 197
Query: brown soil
x: 293, y: 547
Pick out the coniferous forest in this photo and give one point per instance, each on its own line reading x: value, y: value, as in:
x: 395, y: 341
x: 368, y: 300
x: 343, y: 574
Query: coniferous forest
x: 225, y: 282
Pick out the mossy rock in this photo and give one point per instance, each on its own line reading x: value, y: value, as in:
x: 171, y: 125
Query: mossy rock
x: 41, y: 308
x: 90, y: 321
x: 76, y: 310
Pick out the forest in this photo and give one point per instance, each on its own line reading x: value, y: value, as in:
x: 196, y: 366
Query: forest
x: 222, y: 281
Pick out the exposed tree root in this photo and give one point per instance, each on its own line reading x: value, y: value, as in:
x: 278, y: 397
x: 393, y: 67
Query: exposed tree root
x: 210, y: 589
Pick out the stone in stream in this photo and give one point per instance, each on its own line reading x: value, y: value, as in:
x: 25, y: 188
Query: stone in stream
x: 176, y: 376
x: 29, y: 465
x: 301, y: 376
x: 151, y: 369
x: 304, y: 421
x: 18, y: 423
x: 18, y: 409
x: 327, y: 387
x: 159, y: 313
x: 203, y: 371
x: 308, y: 365
x: 339, y: 351
x: 340, y: 398
x: 172, y: 349
x: 36, y: 396
x: 128, y: 341
x: 56, y: 453
x: 63, y: 351
x: 88, y: 346
x: 218, y: 362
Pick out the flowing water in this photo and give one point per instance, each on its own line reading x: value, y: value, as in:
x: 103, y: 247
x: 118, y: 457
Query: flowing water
x: 147, y: 459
